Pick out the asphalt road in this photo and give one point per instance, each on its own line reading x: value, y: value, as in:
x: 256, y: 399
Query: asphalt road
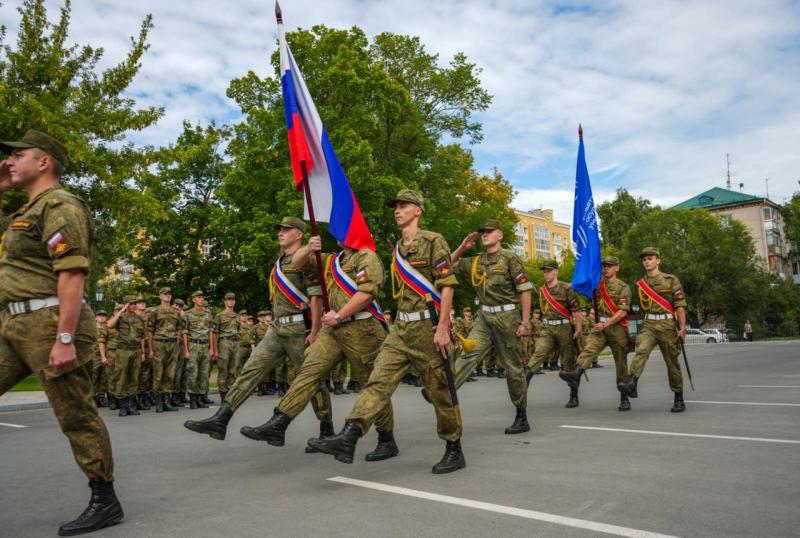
x: 742, y: 480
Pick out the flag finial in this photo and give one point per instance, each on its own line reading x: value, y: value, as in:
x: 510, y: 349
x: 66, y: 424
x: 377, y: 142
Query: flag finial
x: 278, y: 14
x: 580, y: 131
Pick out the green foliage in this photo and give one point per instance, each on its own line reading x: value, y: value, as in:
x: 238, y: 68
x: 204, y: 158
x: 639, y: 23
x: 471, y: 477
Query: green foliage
x: 791, y: 218
x: 618, y: 216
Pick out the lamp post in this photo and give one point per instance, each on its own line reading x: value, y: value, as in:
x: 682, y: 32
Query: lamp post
x: 99, y: 295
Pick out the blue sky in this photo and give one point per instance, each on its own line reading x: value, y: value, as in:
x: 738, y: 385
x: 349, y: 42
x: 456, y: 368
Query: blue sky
x: 664, y: 89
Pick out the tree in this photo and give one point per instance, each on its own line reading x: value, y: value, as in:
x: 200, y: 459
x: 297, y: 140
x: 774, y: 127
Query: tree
x: 620, y: 215
x: 47, y: 85
x: 791, y: 218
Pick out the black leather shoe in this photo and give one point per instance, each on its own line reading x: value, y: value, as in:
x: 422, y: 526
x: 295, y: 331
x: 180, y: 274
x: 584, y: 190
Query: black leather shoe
x: 123, y: 407
x: 193, y: 401
x: 159, y: 404
x: 386, y: 448
x: 177, y: 401
x: 629, y: 387
x: 325, y: 430
x: 678, y: 406
x: 200, y: 401
x: 573, y: 398
x: 165, y: 402
x: 132, y: 406
x: 143, y: 403
x: 624, y: 403
x: 453, y: 459
x: 341, y: 446
x: 203, y: 398
x: 104, y: 510
x: 573, y: 379
x: 272, y: 431
x: 520, y: 424
x: 491, y: 372
x: 215, y: 426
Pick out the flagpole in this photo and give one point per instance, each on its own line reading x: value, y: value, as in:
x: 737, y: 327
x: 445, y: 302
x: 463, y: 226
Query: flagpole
x: 594, y: 303
x: 313, y: 221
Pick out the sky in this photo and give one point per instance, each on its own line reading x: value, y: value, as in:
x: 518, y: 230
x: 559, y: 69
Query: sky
x: 664, y: 89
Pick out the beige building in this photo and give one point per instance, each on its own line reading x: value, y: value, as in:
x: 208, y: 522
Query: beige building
x: 761, y: 216
x: 540, y: 236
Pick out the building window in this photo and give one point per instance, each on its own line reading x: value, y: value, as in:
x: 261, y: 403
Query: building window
x: 542, y: 238
x: 557, y: 246
x: 725, y: 220
x: 207, y: 246
x: 770, y: 213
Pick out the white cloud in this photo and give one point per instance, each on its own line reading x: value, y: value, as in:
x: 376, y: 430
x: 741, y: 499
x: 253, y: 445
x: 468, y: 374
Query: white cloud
x: 664, y: 89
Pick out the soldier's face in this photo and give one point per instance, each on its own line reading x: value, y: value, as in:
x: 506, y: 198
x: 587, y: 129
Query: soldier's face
x: 26, y: 165
x: 405, y: 213
x: 651, y: 262
x: 198, y: 301
x: 165, y: 297
x: 230, y: 302
x: 100, y: 318
x: 490, y: 238
x: 550, y: 275
x: 610, y: 271
x: 289, y: 236
x: 140, y: 306
x: 468, y: 316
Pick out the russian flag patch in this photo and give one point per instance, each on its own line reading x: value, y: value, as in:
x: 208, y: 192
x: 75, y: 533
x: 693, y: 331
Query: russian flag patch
x: 58, y: 245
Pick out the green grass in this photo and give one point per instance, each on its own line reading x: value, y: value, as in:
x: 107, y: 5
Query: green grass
x: 29, y: 383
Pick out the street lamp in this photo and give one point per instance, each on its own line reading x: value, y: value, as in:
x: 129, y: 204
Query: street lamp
x: 99, y: 295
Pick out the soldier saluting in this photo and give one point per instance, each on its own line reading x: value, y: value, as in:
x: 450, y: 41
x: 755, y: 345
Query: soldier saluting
x: 663, y: 301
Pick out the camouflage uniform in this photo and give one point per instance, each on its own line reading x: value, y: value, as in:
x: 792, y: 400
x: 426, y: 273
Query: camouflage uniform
x: 614, y: 336
x: 356, y: 339
x: 179, y: 381
x: 226, y: 327
x: 100, y: 370
x: 557, y: 331
x: 129, y: 353
x: 53, y: 232
x: 411, y: 343
x: 246, y: 335
x: 196, y: 329
x: 164, y: 324
x: 498, y: 280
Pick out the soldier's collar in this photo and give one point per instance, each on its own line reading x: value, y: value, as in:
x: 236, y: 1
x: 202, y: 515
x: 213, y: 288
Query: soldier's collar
x: 32, y: 201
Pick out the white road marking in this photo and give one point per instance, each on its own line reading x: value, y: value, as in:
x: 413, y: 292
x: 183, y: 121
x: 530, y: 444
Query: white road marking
x: 500, y: 509
x: 744, y: 403
x: 678, y: 434
x: 6, y: 424
x: 768, y: 386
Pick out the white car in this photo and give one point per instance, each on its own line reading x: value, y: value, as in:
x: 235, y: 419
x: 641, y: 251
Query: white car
x: 718, y: 335
x: 696, y: 336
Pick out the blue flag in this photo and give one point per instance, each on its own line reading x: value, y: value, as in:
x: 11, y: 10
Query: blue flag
x: 584, y: 230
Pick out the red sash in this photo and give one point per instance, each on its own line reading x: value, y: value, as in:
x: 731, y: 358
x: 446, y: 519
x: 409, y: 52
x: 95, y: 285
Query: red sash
x: 610, y: 303
x: 650, y: 292
x: 558, y: 307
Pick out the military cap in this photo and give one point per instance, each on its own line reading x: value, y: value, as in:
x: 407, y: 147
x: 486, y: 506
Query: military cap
x: 491, y: 224
x: 610, y: 260
x: 650, y: 251
x: 291, y: 222
x: 537, y: 311
x: 129, y: 299
x: 101, y: 313
x: 467, y: 309
x: 118, y: 306
x: 179, y: 302
x: 230, y: 295
x: 165, y: 289
x: 261, y: 313
x: 242, y: 312
x: 43, y: 141
x: 138, y: 299
x: 549, y: 264
x: 268, y: 312
x: 197, y: 293
x: 407, y: 195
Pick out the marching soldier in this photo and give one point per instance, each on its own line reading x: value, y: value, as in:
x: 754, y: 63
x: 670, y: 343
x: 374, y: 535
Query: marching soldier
x: 500, y: 282
x: 163, y: 332
x: 293, y: 293
x: 46, y: 328
x: 128, y: 357
x: 421, y: 272
x: 100, y: 366
x: 613, y: 299
x: 225, y: 343
x: 562, y: 322
x: 663, y: 301
x: 197, y: 350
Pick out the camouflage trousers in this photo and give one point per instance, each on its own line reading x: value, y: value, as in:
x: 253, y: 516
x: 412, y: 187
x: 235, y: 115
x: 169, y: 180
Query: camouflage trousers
x: 663, y: 334
x: 179, y: 380
x: 357, y: 341
x: 244, y: 354
x: 287, y: 340
x: 496, y: 331
x: 198, y: 368
x: 25, y: 344
x: 146, y: 375
x: 127, y: 362
x: 165, y: 361
x: 99, y: 375
x: 408, y: 344
x: 228, y: 350
x: 616, y: 338
x: 556, y: 341
x: 339, y: 372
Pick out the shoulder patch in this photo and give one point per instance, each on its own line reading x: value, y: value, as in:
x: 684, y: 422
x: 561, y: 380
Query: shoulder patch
x: 362, y: 276
x: 58, y: 245
x: 443, y: 267
x: 521, y: 278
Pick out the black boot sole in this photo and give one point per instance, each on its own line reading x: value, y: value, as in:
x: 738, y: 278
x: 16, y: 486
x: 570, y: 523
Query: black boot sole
x: 452, y: 469
x: 113, y: 518
x: 374, y: 456
x: 197, y: 428
x: 339, y: 456
x: 514, y: 431
x: 250, y: 433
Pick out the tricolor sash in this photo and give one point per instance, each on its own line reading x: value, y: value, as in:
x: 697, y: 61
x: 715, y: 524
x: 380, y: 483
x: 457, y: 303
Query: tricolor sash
x: 349, y: 287
x: 413, y: 279
x: 650, y: 292
x: 610, y: 303
x: 289, y: 290
x: 558, y: 307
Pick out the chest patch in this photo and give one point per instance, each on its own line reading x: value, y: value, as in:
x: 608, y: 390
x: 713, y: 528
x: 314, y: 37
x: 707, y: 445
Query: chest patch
x: 21, y: 225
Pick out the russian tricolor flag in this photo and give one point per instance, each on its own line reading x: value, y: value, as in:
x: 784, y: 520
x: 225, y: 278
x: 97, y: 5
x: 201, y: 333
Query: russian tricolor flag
x: 309, y: 143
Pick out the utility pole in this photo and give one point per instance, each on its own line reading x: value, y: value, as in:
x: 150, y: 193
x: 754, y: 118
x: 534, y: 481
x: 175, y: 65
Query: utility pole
x: 766, y: 182
x: 728, y: 160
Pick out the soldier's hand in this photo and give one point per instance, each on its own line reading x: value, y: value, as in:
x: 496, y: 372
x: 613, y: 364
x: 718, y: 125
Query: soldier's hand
x: 469, y: 241
x: 104, y: 361
x: 329, y: 319
x: 5, y: 176
x: 152, y: 355
x: 441, y: 339
x: 522, y: 330
x: 682, y: 334
x: 187, y: 356
x: 63, y: 356
x: 311, y: 337
x: 315, y: 243
x: 598, y: 327
x: 577, y: 335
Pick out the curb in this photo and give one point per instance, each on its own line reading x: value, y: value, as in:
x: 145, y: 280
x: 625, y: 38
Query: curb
x: 45, y: 405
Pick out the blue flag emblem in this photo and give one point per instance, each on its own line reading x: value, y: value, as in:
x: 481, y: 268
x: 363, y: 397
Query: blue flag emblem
x: 584, y: 230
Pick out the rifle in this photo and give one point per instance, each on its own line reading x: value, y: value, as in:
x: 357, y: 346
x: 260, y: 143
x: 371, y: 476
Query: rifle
x: 448, y: 372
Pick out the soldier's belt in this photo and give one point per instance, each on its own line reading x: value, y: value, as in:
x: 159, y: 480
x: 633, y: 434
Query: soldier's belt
x: 197, y: 341
x: 657, y: 316
x: 32, y: 305
x: 602, y: 319
x: 499, y: 308
x: 290, y: 319
x: 360, y: 315
x: 413, y: 316
x: 230, y: 338
x: 164, y: 339
x: 556, y: 321
x: 130, y: 347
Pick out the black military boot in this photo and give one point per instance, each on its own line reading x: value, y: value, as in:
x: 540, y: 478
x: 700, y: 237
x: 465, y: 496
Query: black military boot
x: 123, y: 407
x: 272, y: 431
x: 418, y: 381
x: 270, y: 389
x: 279, y: 391
x: 222, y: 394
x: 184, y: 397
x: 113, y: 404
x: 328, y: 385
x: 520, y: 424
x: 501, y: 373
x: 453, y: 459
x: 192, y: 401
x: 177, y: 401
x: 132, y: 406
x: 354, y: 386
x: 554, y: 366
x: 678, y: 406
x: 103, y: 511
x: 628, y: 388
x: 573, y: 379
x: 159, y: 404
x: 203, y: 398
x: 386, y: 448
x: 573, y: 397
x: 165, y: 402
x: 200, y: 401
x: 479, y: 372
x: 491, y: 372
x: 215, y: 426
x: 143, y: 405
x: 151, y: 398
x: 338, y: 389
x: 624, y: 403
x: 325, y: 430
x: 102, y: 402
x: 342, y: 446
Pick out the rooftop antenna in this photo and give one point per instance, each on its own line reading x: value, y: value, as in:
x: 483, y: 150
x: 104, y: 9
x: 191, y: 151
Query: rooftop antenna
x: 728, y: 160
x: 766, y: 182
